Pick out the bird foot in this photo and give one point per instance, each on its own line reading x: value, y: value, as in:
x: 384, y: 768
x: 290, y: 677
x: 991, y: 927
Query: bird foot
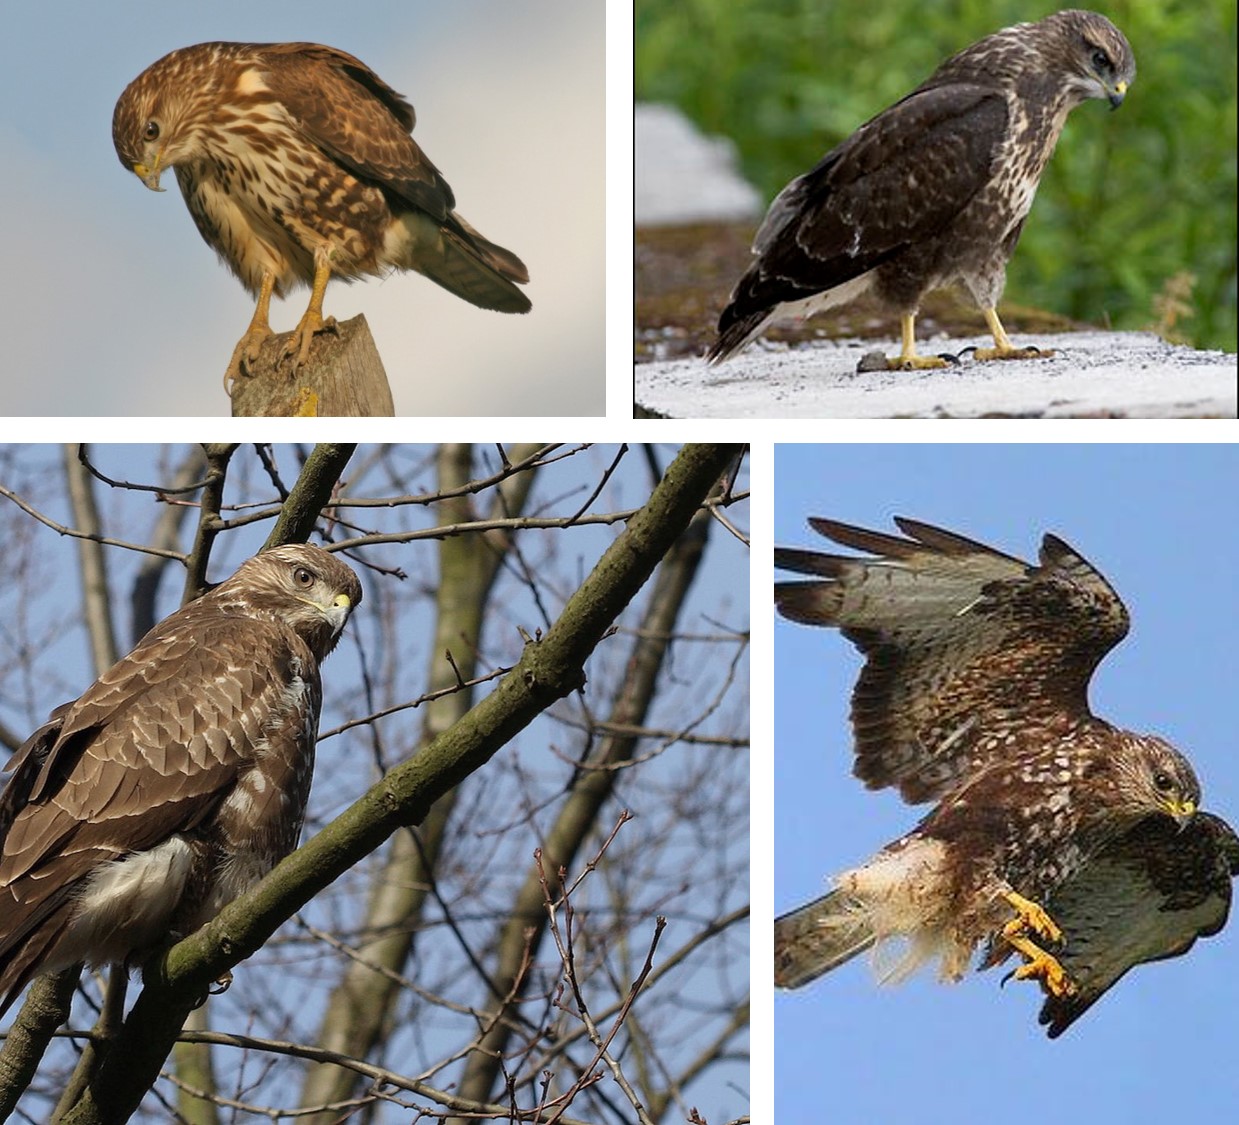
x: 300, y: 338
x: 1030, y: 352
x: 878, y: 361
x: 1029, y: 916
x: 245, y: 355
x: 1041, y: 966
x: 1044, y: 968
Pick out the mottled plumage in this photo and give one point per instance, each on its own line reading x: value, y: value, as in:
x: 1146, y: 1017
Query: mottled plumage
x: 934, y: 189
x: 177, y: 780
x: 296, y: 163
x: 1055, y: 834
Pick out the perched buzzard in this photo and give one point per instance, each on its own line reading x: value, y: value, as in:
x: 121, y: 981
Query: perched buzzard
x: 1055, y: 835
x: 177, y: 780
x: 296, y: 163
x: 934, y: 189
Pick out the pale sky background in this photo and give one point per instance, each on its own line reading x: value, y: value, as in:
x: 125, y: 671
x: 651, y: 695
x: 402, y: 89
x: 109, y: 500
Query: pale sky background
x: 114, y: 305
x: 1161, y: 1046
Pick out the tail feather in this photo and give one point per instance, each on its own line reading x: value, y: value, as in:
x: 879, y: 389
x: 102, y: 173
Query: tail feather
x: 455, y: 256
x: 734, y: 331
x: 819, y: 937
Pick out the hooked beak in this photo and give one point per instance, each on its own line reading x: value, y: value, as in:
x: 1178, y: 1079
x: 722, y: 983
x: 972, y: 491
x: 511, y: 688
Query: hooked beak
x: 1182, y: 811
x: 1117, y: 95
x: 149, y: 175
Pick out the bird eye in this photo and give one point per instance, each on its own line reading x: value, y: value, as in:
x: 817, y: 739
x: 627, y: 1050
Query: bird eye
x: 1101, y: 60
x: 151, y: 132
x: 1163, y: 781
x: 303, y: 577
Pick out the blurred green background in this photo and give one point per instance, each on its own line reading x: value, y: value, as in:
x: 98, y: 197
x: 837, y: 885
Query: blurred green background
x: 1134, y: 223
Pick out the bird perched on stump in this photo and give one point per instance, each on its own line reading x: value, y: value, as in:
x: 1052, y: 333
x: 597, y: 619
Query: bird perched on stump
x: 177, y: 780
x: 296, y: 163
x: 933, y: 190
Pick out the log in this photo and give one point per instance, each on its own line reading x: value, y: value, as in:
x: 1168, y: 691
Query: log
x: 343, y: 377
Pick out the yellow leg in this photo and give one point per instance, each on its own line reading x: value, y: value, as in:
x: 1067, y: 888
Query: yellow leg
x: 312, y: 322
x: 908, y: 359
x: 1041, y: 966
x: 245, y: 354
x: 1003, y: 348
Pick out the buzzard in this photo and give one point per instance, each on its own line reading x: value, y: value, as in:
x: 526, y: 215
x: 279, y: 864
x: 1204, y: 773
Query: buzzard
x: 934, y: 189
x: 177, y: 780
x: 296, y: 163
x: 1054, y: 835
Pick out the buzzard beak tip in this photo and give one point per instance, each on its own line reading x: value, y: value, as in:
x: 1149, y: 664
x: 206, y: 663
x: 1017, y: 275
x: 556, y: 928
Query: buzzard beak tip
x: 1183, y: 813
x: 1117, y: 95
x: 149, y: 176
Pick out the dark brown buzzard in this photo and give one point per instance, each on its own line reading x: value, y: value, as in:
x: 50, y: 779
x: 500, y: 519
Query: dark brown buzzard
x: 934, y: 189
x: 1055, y: 835
x: 177, y: 780
x: 296, y: 164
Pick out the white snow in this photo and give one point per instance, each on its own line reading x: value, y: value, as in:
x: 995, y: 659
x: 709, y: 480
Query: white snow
x: 1132, y: 374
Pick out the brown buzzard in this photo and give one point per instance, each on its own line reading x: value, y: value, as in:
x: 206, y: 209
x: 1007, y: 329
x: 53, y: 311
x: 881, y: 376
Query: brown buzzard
x: 1055, y: 835
x: 934, y: 189
x: 296, y: 164
x: 177, y: 780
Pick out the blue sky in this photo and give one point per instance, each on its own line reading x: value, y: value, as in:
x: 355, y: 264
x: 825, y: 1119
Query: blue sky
x: 122, y: 310
x: 1158, y: 521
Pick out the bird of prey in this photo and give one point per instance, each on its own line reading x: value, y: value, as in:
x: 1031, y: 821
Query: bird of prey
x: 296, y: 163
x: 177, y: 780
x: 1054, y: 835
x: 934, y: 189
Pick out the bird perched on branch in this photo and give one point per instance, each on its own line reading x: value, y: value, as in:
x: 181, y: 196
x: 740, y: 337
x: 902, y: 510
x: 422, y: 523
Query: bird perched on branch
x: 177, y: 780
x: 1055, y: 835
x: 933, y: 190
x: 296, y: 163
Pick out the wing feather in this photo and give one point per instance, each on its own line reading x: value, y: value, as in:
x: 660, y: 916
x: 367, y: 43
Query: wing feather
x: 1146, y: 897
x: 356, y: 118
x: 138, y: 758
x: 966, y: 647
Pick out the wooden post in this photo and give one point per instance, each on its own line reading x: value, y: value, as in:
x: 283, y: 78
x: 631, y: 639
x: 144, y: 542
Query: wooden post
x: 342, y: 378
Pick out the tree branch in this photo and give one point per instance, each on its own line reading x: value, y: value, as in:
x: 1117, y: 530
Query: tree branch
x: 548, y: 670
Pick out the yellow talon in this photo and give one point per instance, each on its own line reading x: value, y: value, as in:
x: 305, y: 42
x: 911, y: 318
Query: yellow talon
x: 1041, y: 966
x: 1030, y: 916
x: 1044, y: 968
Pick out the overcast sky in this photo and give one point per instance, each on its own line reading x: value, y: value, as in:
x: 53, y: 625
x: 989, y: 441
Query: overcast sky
x: 1161, y: 1046
x: 115, y: 306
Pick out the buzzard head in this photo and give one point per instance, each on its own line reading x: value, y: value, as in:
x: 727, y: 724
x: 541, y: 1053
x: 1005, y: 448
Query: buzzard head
x: 1096, y: 57
x: 1153, y: 777
x: 162, y: 118
x: 301, y: 585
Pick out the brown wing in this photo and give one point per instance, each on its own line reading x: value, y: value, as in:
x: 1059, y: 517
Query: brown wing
x: 1146, y: 897
x: 354, y: 116
x: 350, y: 113
x: 966, y: 647
x: 899, y: 180
x: 150, y: 750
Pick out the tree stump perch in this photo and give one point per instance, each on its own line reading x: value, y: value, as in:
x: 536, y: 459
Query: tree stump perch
x: 342, y: 378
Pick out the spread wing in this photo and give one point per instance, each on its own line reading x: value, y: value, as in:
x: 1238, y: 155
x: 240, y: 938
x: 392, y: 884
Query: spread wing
x: 1147, y: 897
x: 967, y: 649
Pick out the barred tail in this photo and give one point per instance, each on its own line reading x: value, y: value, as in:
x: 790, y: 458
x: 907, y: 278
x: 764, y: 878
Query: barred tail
x: 819, y: 937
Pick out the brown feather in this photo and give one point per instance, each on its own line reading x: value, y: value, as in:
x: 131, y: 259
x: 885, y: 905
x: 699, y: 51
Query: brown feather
x: 177, y: 778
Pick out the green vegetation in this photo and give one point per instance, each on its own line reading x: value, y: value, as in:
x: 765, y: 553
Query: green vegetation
x: 1136, y: 213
